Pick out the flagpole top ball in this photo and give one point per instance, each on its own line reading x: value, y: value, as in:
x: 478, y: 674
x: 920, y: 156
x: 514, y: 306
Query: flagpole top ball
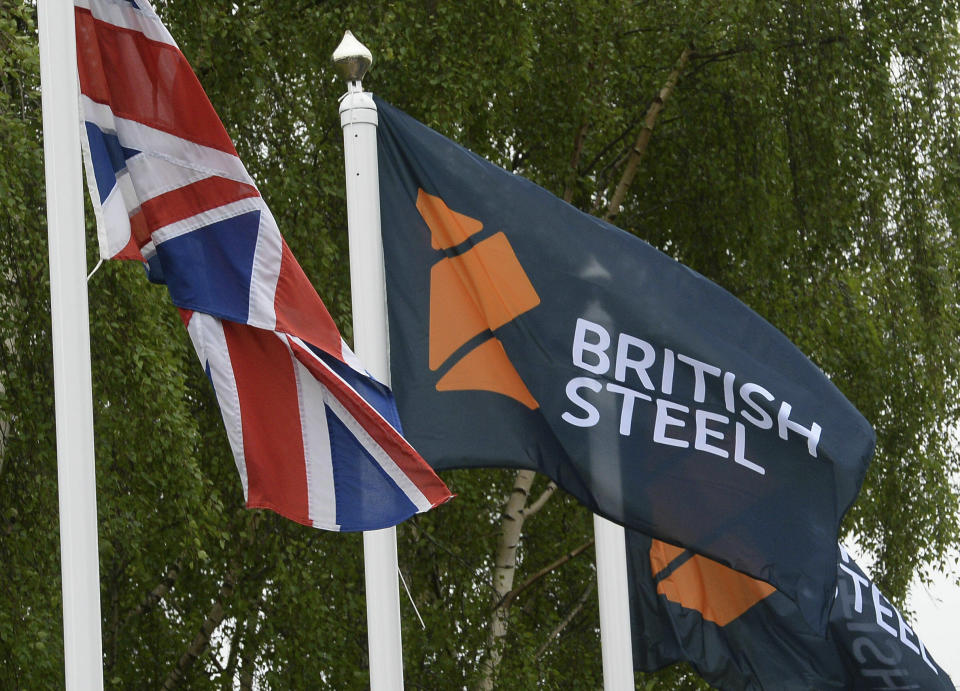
x: 352, y: 58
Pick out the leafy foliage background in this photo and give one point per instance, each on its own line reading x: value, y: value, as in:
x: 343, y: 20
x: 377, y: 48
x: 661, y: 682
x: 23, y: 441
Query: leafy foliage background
x: 807, y: 160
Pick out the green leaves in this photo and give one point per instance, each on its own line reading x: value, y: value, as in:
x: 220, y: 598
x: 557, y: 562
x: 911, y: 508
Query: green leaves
x: 806, y: 161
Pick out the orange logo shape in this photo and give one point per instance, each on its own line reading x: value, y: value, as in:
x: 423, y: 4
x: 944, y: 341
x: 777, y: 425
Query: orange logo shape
x: 718, y: 592
x: 447, y: 227
x: 471, y: 293
x: 487, y: 368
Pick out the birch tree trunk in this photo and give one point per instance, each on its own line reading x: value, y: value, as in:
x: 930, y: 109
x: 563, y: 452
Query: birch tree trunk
x: 643, y: 139
x: 516, y: 510
x: 515, y: 513
x: 202, y: 640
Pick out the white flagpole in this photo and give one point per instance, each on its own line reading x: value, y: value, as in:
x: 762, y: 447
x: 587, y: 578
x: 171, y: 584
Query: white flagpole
x: 358, y: 117
x: 83, y: 659
x: 615, y: 642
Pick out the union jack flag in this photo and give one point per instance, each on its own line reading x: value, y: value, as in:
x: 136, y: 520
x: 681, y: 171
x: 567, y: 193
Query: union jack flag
x: 314, y: 436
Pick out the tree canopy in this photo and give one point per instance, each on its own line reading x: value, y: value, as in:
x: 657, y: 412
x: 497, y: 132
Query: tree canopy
x: 806, y: 158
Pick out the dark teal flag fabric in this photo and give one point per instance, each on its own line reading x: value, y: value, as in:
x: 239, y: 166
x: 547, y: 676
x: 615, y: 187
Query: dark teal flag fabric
x: 527, y: 334
x: 739, y: 633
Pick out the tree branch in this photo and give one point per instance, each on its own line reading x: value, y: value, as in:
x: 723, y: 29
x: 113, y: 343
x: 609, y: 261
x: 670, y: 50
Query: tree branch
x: 612, y: 143
x: 248, y: 656
x: 235, y: 643
x: 541, y: 500
x: 643, y: 139
x: 200, y: 642
x: 216, y: 613
x: 565, y: 622
x: 555, y: 564
x: 4, y: 427
x: 781, y: 46
x: 575, y: 162
x: 151, y: 599
x: 445, y: 547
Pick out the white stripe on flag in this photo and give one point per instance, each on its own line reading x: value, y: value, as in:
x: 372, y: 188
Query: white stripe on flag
x: 377, y: 452
x: 113, y: 215
x: 206, y: 218
x: 182, y: 152
x: 351, y: 359
x: 154, y: 176
x: 102, y: 228
x: 321, y: 497
x: 124, y: 15
x: 265, y: 272
x: 128, y: 191
x: 382, y: 458
x: 114, y: 231
x: 206, y: 332
x: 149, y: 250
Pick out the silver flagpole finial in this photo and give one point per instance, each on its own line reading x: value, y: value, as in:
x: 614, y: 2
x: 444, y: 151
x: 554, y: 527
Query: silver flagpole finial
x: 352, y: 58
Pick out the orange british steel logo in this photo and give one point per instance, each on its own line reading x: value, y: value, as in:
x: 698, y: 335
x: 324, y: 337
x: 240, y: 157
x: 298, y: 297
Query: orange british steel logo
x: 473, y: 293
x: 718, y: 592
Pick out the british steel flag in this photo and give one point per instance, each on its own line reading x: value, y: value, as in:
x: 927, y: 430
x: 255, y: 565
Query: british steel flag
x: 315, y: 437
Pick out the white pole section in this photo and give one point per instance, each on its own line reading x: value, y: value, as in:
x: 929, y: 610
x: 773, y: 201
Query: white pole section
x: 358, y: 117
x: 615, y: 641
x: 83, y: 659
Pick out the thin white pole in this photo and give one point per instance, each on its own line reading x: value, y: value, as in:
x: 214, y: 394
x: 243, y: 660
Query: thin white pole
x: 83, y: 659
x: 615, y: 642
x: 358, y: 117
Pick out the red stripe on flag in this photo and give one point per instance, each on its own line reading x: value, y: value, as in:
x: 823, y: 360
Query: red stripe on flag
x: 139, y: 236
x: 270, y: 415
x: 299, y: 309
x: 192, y: 199
x: 392, y: 442
x: 146, y: 81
